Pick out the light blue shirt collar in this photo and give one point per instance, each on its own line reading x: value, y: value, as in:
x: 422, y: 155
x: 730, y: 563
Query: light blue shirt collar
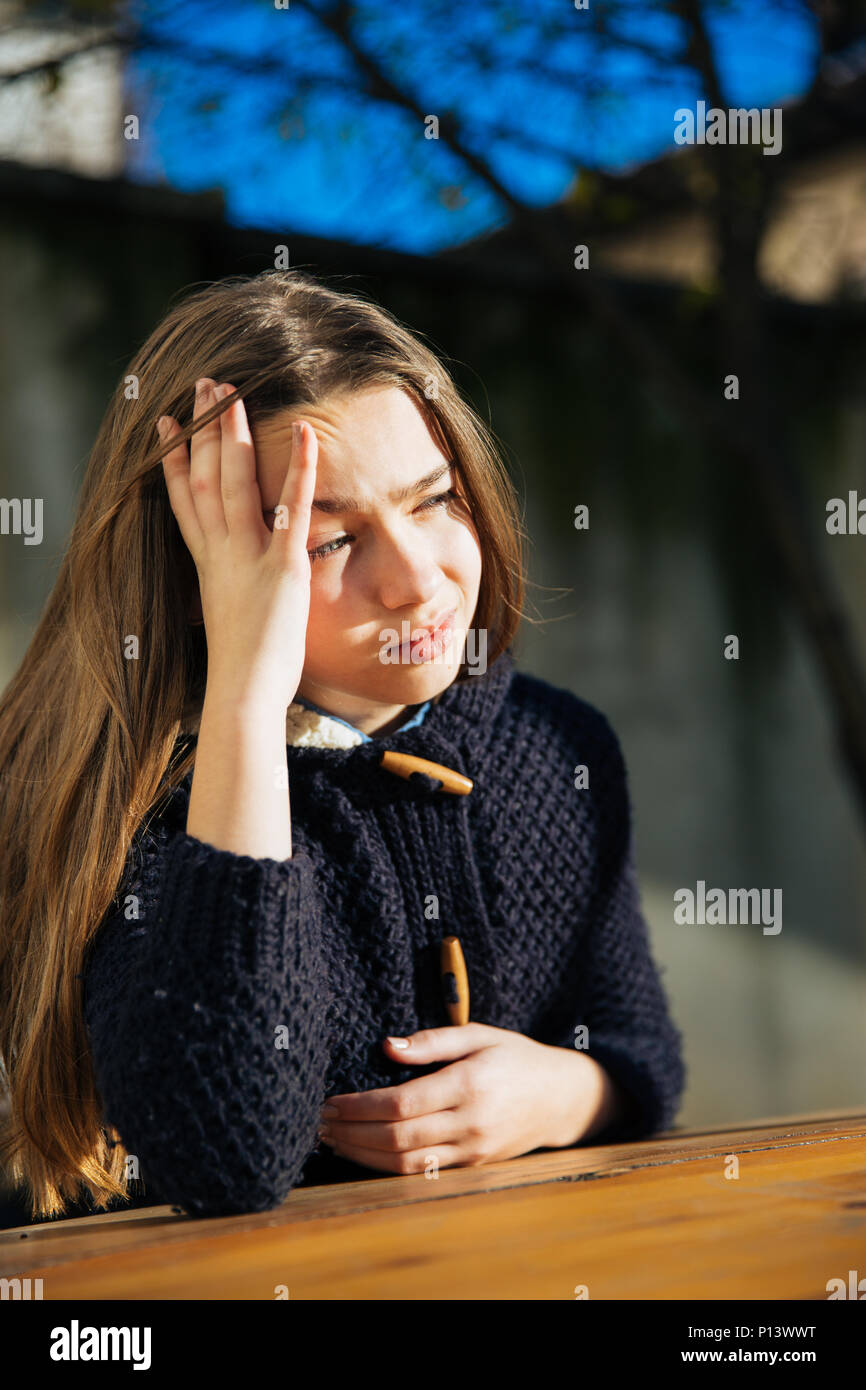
x: 411, y: 722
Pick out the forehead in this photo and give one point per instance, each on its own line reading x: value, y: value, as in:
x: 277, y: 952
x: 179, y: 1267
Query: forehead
x: 372, y: 440
x: 352, y: 426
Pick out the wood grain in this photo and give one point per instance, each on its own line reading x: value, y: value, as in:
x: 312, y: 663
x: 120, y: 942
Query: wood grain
x: 651, y: 1220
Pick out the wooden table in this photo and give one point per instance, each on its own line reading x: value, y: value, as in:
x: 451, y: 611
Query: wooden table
x: 657, y: 1219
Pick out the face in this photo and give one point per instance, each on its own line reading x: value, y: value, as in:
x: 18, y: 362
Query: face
x: 382, y: 567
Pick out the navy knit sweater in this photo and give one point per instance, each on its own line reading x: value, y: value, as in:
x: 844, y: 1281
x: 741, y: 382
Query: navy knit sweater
x: 330, y: 951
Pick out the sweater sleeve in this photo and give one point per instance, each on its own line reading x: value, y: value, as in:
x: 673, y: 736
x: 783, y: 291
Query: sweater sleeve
x: 206, y: 1015
x: 630, y: 1030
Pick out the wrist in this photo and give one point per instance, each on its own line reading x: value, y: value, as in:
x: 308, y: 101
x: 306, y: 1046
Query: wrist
x: 228, y: 698
x: 588, y: 1099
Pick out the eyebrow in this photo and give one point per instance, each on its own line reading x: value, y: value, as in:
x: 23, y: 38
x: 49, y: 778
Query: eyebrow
x: 335, y: 506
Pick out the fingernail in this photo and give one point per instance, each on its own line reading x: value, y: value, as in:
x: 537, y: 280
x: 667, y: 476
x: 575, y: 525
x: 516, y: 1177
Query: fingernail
x: 399, y: 1042
x: 161, y: 426
x: 330, y: 1110
x: 199, y: 386
x: 296, y: 432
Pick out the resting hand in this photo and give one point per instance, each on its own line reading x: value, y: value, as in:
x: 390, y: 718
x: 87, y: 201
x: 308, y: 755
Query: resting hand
x: 503, y: 1094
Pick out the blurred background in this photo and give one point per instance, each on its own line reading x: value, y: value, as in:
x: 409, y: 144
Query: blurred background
x: 449, y: 160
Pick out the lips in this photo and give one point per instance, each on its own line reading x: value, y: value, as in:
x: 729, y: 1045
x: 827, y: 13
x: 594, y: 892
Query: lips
x: 440, y: 621
x: 432, y: 634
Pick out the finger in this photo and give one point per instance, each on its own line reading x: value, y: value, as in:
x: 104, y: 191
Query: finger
x: 292, y: 520
x: 204, y: 472
x: 445, y: 1044
x: 441, y: 1090
x: 418, y: 1161
x: 440, y: 1127
x: 175, y: 467
x: 239, y: 488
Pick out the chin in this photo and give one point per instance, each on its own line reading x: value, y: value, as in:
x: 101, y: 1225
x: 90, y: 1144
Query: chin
x: 413, y: 684
x: 435, y: 680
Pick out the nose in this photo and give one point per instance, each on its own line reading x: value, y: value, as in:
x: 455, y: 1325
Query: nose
x: 406, y: 573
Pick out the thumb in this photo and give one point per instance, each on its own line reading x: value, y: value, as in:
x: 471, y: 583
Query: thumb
x: 441, y: 1044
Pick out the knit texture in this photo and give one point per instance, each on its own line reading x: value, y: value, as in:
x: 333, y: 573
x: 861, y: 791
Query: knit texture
x: 226, y: 997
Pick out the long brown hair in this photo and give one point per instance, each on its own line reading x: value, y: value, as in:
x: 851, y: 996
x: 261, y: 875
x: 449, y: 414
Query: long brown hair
x: 88, y: 733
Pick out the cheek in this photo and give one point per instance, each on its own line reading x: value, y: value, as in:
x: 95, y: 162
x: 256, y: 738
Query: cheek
x: 325, y: 609
x: 464, y: 554
x: 338, y: 604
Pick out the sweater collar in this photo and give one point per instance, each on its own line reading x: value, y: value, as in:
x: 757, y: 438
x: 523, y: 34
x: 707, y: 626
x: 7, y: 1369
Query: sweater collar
x: 460, y: 717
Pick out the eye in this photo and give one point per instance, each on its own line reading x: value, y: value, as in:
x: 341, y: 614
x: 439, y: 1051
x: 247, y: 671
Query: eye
x: 331, y: 547
x: 438, y: 500
x: 328, y: 548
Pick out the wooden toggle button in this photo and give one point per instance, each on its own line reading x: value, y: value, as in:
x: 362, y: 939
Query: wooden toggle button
x: 455, y: 981
x: 404, y: 764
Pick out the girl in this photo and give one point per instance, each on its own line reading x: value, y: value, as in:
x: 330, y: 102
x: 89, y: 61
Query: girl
x: 297, y: 556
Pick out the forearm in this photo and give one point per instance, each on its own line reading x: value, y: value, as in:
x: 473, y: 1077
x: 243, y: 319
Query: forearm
x: 239, y: 799
x: 588, y: 1100
x: 202, y: 1076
